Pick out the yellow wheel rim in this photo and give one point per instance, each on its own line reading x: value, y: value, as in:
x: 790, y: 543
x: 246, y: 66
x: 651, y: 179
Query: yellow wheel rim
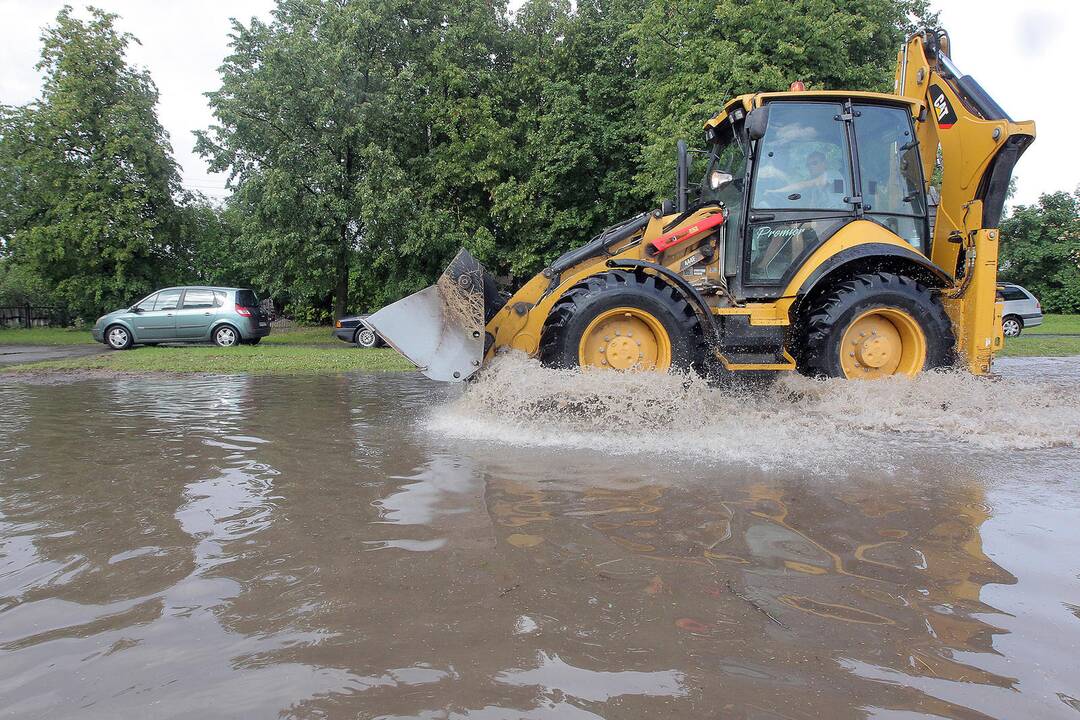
x: 883, y: 342
x: 623, y: 338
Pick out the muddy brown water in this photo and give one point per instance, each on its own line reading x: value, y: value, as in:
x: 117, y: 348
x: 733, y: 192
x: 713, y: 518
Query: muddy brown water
x: 364, y: 546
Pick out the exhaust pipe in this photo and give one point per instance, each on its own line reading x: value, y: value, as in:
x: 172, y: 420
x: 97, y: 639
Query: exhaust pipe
x: 441, y: 328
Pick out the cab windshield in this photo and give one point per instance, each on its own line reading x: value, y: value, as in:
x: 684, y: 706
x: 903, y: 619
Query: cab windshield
x: 727, y: 155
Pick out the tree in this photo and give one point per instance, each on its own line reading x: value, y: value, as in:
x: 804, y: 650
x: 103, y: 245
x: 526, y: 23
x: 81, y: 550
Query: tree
x: 87, y: 181
x: 1040, y: 250
x: 575, y: 130
x: 693, y: 55
x: 368, y: 139
x: 308, y: 112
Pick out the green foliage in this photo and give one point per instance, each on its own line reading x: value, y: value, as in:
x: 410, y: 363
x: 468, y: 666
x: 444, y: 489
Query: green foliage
x: 18, y: 285
x: 1040, y: 250
x: 367, y: 140
x: 86, y: 177
x: 311, y: 108
x: 696, y: 54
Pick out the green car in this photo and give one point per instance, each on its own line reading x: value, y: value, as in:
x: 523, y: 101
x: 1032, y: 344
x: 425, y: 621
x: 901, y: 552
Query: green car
x: 225, y: 316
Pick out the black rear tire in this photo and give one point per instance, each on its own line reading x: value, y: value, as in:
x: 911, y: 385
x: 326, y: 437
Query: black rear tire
x: 582, y: 303
x: 831, y: 315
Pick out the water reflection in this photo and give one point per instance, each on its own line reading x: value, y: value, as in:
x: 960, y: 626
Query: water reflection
x: 305, y: 548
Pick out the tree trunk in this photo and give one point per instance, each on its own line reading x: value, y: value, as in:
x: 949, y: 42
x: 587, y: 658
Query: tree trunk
x: 341, y: 288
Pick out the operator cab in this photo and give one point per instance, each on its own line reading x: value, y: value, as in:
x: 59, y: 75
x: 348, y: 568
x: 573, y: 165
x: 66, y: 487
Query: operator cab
x: 798, y: 167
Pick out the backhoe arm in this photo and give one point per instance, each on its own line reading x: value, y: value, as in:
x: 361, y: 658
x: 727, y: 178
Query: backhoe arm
x: 975, y: 143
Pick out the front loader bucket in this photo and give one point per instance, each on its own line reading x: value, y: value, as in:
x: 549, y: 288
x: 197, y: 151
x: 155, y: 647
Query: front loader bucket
x: 440, y: 328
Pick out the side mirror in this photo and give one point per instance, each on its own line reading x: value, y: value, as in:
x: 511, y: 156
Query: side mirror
x: 719, y: 179
x: 135, y: 309
x: 757, y: 122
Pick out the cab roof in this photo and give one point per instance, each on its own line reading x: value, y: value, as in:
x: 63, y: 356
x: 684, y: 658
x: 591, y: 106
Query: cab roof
x: 752, y: 100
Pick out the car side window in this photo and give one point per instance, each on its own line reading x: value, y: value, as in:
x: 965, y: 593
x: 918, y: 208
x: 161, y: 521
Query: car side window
x: 167, y: 300
x: 1013, y: 294
x: 219, y: 298
x: 147, y: 304
x: 198, y: 299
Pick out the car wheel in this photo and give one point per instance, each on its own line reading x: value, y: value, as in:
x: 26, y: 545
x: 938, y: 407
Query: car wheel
x: 118, y: 337
x: 226, y: 336
x: 252, y: 341
x: 1012, y: 326
x: 366, y: 338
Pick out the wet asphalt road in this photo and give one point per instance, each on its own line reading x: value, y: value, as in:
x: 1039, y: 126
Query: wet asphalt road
x: 20, y: 354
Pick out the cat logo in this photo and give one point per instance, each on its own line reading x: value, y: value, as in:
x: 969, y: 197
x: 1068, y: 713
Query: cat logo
x: 942, y: 109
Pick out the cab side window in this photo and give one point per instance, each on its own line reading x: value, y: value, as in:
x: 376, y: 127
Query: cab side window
x: 891, y: 172
x: 803, y: 159
x: 802, y: 187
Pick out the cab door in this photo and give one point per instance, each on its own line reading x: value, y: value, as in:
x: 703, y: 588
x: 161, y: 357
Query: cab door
x: 890, y: 172
x: 802, y: 191
x: 157, y: 322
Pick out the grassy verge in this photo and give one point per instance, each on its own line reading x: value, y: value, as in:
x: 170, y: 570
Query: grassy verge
x: 1056, y: 324
x: 292, y: 352
x: 317, y: 335
x: 1035, y: 346
x: 45, y: 336
x: 320, y: 335
x: 264, y: 359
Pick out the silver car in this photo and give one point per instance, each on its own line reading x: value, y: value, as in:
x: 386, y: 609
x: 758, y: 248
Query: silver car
x: 225, y: 316
x: 1021, y: 309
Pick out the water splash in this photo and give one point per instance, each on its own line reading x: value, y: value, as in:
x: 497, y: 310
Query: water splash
x: 797, y: 421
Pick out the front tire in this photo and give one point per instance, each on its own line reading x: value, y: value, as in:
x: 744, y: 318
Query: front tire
x: 118, y: 337
x: 621, y: 320
x: 1012, y: 326
x: 366, y: 338
x: 226, y: 336
x: 876, y: 325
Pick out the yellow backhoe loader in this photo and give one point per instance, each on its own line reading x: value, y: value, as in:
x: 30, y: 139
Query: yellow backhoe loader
x: 815, y: 242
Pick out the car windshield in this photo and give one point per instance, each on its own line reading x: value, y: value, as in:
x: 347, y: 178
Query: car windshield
x: 247, y: 298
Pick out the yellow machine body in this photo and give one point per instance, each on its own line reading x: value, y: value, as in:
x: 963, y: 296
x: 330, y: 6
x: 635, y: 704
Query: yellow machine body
x: 967, y: 149
x: 961, y: 134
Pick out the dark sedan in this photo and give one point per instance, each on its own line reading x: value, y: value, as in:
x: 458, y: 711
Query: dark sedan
x: 354, y: 330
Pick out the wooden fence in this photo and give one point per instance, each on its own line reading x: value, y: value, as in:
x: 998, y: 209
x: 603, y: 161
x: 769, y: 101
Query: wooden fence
x: 28, y: 316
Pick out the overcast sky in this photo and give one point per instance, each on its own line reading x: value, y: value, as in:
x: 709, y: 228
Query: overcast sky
x: 1023, y: 53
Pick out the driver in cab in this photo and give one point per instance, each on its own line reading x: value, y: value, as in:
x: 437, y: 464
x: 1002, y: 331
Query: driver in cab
x: 817, y: 191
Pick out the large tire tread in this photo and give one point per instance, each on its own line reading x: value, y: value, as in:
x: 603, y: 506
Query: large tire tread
x: 830, y: 315
x: 596, y: 293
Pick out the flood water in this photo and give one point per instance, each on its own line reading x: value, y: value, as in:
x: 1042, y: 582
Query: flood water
x: 540, y: 546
